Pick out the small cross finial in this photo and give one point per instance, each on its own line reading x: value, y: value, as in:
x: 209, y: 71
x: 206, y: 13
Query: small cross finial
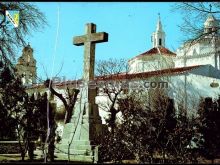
x: 159, y: 15
x: 210, y: 10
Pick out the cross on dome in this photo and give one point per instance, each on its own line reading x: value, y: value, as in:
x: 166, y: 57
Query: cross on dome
x: 210, y: 9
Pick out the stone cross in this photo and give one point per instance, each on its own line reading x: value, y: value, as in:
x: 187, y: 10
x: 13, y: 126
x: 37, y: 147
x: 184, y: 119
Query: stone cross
x: 89, y: 40
x: 85, y: 124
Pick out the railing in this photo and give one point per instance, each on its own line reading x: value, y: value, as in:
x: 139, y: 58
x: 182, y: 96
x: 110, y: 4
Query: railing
x: 10, y: 147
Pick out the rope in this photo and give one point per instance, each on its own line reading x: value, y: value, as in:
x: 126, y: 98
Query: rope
x: 54, y: 53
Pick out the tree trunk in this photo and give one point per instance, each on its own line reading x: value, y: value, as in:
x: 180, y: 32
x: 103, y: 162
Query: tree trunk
x: 51, y: 147
x: 164, y: 158
x: 137, y: 157
x: 213, y: 161
x: 20, y: 145
x: 31, y: 150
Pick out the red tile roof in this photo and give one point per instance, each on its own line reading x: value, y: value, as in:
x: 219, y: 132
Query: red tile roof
x: 124, y: 76
x: 156, y: 50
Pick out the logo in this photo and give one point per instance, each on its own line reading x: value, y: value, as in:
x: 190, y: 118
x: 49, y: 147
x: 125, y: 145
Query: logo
x: 13, y: 17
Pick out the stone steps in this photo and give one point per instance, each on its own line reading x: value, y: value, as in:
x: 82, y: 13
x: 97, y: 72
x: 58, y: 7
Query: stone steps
x: 76, y: 147
x: 74, y: 151
x: 81, y: 158
x: 77, y: 142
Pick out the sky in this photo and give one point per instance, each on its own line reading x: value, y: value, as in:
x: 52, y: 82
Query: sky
x: 129, y: 25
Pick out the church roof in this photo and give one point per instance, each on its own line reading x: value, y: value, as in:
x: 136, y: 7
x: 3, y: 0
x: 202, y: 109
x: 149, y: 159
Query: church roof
x: 163, y: 72
x: 126, y: 76
x: 156, y: 50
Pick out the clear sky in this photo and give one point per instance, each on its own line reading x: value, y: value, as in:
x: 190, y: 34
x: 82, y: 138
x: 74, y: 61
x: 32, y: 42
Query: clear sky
x: 129, y: 25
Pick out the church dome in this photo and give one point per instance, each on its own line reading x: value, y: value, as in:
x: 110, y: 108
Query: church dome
x: 211, y: 22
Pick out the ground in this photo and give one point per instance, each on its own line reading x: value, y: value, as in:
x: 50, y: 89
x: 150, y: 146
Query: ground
x: 16, y: 158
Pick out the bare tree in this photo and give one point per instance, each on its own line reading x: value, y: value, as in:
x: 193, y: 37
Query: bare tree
x: 109, y: 72
x: 68, y: 101
x: 194, y: 15
x: 149, y: 134
x: 30, y: 18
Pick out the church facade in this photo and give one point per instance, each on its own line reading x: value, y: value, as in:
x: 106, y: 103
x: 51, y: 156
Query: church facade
x: 192, y: 69
x: 203, y: 50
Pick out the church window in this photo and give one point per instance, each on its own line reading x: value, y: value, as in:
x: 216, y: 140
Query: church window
x: 28, y: 58
x: 160, y: 42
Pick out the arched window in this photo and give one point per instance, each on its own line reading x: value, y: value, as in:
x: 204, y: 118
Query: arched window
x: 160, y: 41
x: 28, y: 58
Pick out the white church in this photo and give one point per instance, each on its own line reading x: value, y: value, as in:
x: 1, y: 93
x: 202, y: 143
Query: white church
x: 192, y: 72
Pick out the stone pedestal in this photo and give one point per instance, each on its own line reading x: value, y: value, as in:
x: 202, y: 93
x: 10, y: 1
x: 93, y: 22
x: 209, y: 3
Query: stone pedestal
x: 78, y: 136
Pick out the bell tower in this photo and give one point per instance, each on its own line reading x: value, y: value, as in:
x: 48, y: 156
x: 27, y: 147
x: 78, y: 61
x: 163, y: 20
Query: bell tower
x: 158, y: 37
x: 26, y: 66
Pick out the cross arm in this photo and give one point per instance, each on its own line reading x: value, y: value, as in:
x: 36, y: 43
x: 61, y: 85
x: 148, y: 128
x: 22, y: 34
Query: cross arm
x: 99, y: 37
x: 93, y: 37
x: 79, y: 40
